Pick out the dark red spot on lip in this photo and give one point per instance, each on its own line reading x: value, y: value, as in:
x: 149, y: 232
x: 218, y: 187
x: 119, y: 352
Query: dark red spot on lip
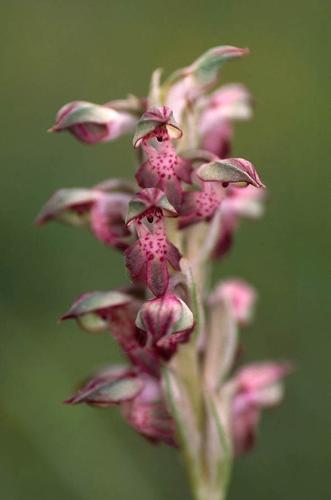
x: 150, y: 219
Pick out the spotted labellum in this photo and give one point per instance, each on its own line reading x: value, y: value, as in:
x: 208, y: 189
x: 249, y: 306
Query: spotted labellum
x: 182, y: 383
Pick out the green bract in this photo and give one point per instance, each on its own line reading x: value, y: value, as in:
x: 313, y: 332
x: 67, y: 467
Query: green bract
x: 118, y: 391
x: 205, y: 69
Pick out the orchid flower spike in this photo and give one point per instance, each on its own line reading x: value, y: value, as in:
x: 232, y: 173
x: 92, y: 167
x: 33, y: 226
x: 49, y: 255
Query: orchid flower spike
x: 183, y: 384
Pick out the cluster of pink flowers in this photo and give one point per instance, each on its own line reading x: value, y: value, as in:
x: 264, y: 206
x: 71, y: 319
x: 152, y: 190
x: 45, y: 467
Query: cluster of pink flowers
x: 182, y: 212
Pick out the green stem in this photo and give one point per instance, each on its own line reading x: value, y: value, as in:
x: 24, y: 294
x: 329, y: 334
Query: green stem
x: 206, y: 492
x: 190, y: 452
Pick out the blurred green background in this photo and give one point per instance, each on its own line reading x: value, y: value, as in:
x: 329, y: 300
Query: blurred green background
x: 56, y: 51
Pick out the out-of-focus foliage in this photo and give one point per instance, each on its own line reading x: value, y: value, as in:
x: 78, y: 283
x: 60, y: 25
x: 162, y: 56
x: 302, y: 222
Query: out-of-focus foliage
x: 54, y: 51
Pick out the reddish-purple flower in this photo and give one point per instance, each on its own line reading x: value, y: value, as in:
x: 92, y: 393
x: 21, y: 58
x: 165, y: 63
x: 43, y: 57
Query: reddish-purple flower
x: 148, y: 414
x: 92, y: 123
x: 188, y: 84
x: 139, y: 397
x: 193, y: 394
x: 148, y: 258
x: 201, y: 205
x: 230, y: 103
x: 163, y: 168
x: 108, y: 220
x: 256, y: 387
x: 238, y: 203
x: 109, y: 387
x: 115, y: 311
x: 215, y: 178
x: 240, y: 297
x: 103, y: 207
x: 165, y: 321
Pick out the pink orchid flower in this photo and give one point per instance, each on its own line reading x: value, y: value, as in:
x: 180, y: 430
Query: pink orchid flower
x: 188, y: 84
x: 238, y: 203
x: 230, y: 103
x: 256, y: 387
x: 179, y: 387
x: 92, y: 123
x: 215, y: 178
x: 103, y: 208
x: 163, y: 168
x: 148, y: 258
x: 166, y: 321
x: 116, y: 312
x: 240, y: 296
x: 148, y: 414
x: 201, y: 205
x: 139, y: 397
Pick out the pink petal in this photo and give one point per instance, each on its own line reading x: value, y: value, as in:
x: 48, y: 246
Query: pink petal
x: 174, y: 256
x: 157, y: 276
x: 108, y: 220
x: 225, y: 240
x: 135, y: 261
x: 174, y: 191
x: 244, y: 427
x: 201, y: 205
x: 146, y: 176
x: 218, y: 139
x: 240, y: 296
x: 260, y: 375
